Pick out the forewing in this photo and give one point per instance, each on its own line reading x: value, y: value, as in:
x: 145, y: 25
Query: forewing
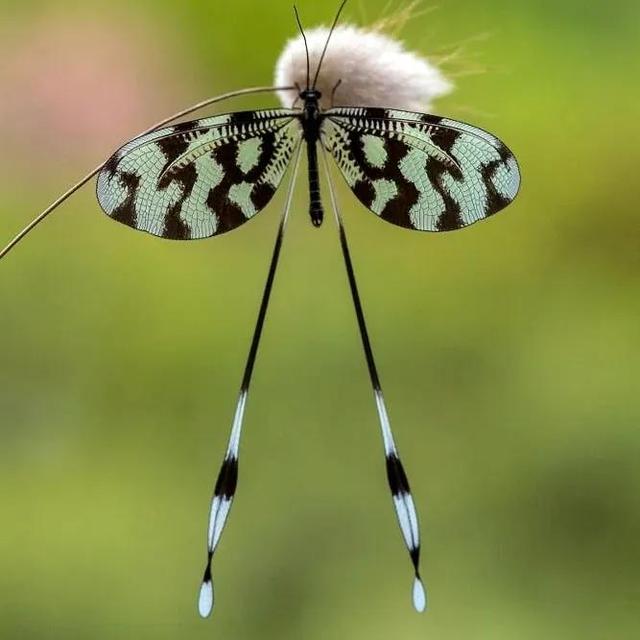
x: 420, y: 171
x: 199, y: 178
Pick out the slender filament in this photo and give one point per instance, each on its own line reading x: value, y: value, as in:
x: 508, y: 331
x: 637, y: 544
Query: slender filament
x: 205, y: 103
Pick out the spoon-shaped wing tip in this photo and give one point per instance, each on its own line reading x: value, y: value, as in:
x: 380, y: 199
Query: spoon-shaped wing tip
x: 419, y: 596
x: 205, y: 600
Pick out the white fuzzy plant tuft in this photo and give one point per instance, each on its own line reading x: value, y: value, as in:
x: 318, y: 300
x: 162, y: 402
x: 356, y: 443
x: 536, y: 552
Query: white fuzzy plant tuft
x: 375, y: 70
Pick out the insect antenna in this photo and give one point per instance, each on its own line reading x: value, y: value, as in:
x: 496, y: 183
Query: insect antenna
x: 397, y: 479
x: 326, y: 44
x: 226, y: 482
x: 54, y: 205
x: 306, y: 47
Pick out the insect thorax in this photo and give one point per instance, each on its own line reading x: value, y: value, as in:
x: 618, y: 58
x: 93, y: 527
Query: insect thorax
x: 311, y: 111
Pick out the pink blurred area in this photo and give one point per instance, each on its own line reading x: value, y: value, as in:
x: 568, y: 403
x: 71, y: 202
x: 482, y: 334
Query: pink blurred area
x: 76, y: 86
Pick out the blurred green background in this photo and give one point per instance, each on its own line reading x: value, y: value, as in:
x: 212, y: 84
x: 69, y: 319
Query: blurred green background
x: 508, y: 351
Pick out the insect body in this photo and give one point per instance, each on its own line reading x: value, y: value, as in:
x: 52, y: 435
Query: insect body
x: 311, y: 131
x: 206, y: 177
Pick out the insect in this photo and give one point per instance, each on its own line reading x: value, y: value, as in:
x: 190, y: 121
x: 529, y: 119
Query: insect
x: 206, y: 177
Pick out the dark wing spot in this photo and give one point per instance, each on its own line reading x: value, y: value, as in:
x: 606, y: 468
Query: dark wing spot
x: 365, y: 192
x: 172, y: 148
x: 242, y: 117
x: 504, y: 153
x: 174, y: 227
x: 227, y: 479
x: 396, y: 476
x: 427, y: 118
x: 185, y: 127
x: 444, y: 138
x: 376, y: 112
x: 495, y: 200
x: 261, y: 195
x: 228, y: 213
x: 111, y: 164
x: 450, y: 219
x: 126, y: 212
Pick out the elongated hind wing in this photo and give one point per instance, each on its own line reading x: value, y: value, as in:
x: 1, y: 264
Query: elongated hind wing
x: 420, y: 171
x: 200, y: 178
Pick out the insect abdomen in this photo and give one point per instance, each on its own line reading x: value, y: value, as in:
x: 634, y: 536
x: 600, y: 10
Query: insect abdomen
x: 315, y: 203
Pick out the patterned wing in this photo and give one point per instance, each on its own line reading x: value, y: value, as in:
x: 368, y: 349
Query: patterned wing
x: 200, y: 178
x: 420, y: 171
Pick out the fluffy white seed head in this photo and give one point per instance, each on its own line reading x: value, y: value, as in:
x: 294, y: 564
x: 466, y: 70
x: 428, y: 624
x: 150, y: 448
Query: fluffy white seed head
x: 376, y: 71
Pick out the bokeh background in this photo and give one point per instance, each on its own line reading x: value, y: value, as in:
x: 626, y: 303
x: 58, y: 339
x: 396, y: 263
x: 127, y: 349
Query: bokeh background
x: 508, y: 351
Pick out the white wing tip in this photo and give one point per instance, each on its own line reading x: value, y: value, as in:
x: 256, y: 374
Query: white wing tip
x: 205, y: 600
x: 419, y: 596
